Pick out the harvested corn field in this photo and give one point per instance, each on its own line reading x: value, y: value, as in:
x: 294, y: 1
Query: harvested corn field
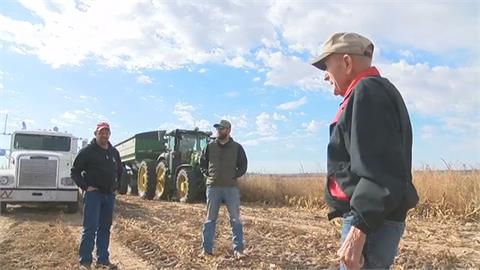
x: 163, y: 235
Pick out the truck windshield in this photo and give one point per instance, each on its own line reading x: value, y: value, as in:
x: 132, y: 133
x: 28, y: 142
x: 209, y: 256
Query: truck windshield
x: 41, y: 142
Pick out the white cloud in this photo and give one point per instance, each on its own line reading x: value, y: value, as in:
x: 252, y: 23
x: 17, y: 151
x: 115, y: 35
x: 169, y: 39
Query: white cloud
x: 240, y: 62
x: 292, y: 105
x: 445, y: 93
x: 202, y: 70
x: 406, y: 53
x: 184, y: 112
x: 279, y: 117
x: 78, y: 117
x: 237, y: 121
x: 144, y: 79
x: 290, y: 71
x: 141, y: 34
x: 256, y: 79
x: 265, y: 125
x: 313, y: 126
x: 88, y: 98
x: 408, y: 24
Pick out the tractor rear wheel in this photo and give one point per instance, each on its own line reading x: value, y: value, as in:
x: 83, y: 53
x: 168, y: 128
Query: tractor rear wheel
x: 146, y: 180
x: 162, y: 190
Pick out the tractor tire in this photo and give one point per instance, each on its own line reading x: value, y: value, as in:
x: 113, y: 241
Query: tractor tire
x: 163, y: 187
x: 133, y: 183
x: 123, y: 185
x: 3, y: 208
x: 146, y: 180
x: 188, y: 186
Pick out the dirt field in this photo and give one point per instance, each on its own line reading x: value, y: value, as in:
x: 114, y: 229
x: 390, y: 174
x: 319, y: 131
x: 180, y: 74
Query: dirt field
x: 159, y: 235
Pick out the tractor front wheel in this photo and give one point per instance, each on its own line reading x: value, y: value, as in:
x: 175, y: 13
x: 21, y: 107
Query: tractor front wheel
x: 146, y: 180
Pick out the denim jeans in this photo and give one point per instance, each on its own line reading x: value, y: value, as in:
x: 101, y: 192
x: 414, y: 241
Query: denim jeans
x: 380, y: 246
x: 230, y: 196
x: 97, y: 220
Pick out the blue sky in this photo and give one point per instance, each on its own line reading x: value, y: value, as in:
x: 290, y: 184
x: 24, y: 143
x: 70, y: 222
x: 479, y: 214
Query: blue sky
x: 146, y: 65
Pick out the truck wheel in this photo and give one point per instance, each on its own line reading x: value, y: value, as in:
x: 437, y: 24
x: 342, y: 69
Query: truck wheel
x: 123, y: 185
x: 133, y: 183
x: 3, y: 208
x: 146, y: 180
x: 72, y: 207
x: 188, y: 187
x: 163, y: 186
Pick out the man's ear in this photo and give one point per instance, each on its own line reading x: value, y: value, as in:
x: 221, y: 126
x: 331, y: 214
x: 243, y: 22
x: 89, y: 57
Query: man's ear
x: 348, y: 62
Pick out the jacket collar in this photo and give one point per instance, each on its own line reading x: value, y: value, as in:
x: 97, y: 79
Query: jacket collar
x: 94, y: 144
x: 230, y: 140
x: 372, y: 71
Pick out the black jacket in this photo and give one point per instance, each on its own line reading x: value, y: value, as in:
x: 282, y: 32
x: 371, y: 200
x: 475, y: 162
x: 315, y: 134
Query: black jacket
x: 97, y: 167
x: 370, y: 156
x: 223, y: 163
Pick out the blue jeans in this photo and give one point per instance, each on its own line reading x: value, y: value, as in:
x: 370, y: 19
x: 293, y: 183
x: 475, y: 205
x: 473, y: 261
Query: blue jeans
x: 380, y: 246
x: 97, y: 220
x: 230, y: 196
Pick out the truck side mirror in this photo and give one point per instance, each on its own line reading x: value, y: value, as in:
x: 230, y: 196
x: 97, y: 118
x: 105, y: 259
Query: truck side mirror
x: 3, y: 152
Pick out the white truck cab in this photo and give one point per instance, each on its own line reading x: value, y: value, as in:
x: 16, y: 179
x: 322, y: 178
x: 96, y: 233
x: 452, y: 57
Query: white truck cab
x: 38, y: 169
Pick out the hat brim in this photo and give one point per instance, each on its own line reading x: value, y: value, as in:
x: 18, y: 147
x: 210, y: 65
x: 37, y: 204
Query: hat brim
x: 100, y: 128
x: 319, y: 62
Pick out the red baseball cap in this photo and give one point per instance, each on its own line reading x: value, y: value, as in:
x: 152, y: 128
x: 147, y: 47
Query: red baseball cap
x: 101, y: 126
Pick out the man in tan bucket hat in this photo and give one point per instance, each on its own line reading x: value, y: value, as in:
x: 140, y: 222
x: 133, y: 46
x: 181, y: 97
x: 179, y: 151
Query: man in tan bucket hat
x: 369, y: 180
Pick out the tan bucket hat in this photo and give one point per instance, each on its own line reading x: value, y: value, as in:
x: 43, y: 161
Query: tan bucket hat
x: 347, y: 43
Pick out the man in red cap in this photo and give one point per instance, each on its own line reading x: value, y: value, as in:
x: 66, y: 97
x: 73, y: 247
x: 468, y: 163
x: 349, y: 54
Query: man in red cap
x: 369, y: 180
x: 96, y: 170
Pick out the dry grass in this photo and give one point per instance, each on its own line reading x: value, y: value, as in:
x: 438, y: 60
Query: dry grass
x: 292, y: 190
x: 443, y: 194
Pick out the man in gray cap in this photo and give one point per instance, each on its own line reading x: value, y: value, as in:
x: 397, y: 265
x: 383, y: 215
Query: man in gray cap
x: 369, y: 180
x: 223, y: 162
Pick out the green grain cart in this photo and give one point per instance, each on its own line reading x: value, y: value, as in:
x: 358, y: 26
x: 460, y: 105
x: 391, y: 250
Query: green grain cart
x: 161, y: 165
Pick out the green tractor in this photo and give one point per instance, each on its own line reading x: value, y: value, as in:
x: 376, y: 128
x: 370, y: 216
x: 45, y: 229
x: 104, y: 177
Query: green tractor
x: 162, y: 165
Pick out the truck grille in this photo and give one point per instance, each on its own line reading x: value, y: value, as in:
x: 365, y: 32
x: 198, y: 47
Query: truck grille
x: 37, y: 173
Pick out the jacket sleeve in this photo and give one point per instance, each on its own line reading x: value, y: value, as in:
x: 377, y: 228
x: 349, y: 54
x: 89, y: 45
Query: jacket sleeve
x: 79, y: 166
x: 376, y: 156
x: 242, y: 162
x: 204, y: 160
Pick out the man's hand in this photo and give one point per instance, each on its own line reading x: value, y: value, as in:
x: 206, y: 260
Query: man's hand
x: 350, y: 252
x: 90, y: 188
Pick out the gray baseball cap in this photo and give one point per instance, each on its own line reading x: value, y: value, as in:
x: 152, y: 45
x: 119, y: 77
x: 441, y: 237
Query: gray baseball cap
x: 223, y: 124
x: 347, y: 43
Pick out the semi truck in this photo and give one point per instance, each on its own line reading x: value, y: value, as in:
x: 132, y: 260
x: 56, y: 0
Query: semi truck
x: 38, y: 169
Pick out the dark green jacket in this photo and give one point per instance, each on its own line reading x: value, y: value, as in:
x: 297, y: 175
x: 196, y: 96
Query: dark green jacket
x: 223, y: 164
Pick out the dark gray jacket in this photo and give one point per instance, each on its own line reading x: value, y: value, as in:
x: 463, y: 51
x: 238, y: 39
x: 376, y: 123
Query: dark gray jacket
x: 223, y: 163
x: 370, y: 156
